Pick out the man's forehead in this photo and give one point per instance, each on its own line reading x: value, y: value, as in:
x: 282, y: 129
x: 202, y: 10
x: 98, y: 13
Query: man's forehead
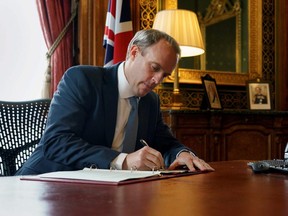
x: 164, y: 54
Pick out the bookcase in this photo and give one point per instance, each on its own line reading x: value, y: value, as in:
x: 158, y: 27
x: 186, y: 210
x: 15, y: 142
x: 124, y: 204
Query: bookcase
x: 219, y: 135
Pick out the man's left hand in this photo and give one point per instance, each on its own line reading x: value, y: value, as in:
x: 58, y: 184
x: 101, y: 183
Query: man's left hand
x: 192, y: 162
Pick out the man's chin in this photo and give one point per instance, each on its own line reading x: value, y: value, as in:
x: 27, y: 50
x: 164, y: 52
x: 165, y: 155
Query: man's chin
x: 142, y: 93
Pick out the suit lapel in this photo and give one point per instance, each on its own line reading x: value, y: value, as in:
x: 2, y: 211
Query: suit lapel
x: 110, y: 100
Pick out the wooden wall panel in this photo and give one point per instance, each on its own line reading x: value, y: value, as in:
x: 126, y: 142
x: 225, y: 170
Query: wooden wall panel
x: 231, y: 135
x: 281, y: 55
x: 91, y: 24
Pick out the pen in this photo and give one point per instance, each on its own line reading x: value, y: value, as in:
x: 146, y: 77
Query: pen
x: 144, y: 142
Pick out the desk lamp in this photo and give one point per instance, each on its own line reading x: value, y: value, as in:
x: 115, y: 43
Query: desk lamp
x: 183, y: 26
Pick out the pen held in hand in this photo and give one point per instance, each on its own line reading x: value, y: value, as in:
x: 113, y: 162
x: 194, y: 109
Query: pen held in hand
x: 144, y: 142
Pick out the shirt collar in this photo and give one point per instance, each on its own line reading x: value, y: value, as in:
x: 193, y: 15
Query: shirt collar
x: 125, y: 90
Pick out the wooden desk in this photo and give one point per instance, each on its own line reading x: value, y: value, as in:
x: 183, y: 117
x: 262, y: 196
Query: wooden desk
x: 232, y: 190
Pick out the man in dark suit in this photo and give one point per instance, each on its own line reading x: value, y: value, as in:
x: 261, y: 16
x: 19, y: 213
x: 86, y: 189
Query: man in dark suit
x: 259, y: 97
x: 89, y: 111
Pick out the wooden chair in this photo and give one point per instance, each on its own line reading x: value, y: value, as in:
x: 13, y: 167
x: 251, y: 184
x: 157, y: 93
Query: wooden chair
x: 21, y: 127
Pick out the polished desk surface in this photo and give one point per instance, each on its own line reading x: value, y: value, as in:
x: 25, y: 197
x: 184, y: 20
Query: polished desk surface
x: 233, y: 189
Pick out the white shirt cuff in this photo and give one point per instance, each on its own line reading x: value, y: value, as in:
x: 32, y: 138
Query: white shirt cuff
x: 118, y: 161
x: 185, y: 150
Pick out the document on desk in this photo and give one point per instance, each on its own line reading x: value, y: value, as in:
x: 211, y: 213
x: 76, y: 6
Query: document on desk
x: 105, y: 176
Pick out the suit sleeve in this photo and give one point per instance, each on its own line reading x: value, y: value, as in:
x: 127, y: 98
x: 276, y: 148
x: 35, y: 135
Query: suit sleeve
x: 76, y: 118
x: 159, y: 133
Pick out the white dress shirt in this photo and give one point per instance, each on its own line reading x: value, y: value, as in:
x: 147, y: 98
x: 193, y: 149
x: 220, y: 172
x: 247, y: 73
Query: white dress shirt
x: 123, y: 112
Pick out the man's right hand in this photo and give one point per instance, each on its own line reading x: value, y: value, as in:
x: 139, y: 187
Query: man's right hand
x: 145, y: 158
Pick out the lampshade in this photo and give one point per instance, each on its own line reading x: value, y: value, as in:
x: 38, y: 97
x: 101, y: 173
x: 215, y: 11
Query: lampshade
x: 183, y: 26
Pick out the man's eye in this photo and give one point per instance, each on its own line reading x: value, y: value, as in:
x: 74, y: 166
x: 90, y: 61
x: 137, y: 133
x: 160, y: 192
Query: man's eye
x: 155, y: 68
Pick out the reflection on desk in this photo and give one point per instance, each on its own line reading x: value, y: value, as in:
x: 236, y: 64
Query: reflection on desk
x: 233, y: 189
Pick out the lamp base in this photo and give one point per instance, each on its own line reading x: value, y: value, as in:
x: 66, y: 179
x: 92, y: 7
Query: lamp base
x: 177, y: 102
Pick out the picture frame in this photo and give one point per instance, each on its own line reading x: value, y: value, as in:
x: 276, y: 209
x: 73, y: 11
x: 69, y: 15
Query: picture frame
x: 259, y: 95
x: 211, y: 99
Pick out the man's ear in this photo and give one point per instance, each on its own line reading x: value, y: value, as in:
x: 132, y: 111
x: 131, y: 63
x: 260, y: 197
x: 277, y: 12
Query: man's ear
x: 134, y: 51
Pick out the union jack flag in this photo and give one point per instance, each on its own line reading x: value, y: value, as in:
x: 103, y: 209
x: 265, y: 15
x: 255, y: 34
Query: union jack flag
x: 118, y: 31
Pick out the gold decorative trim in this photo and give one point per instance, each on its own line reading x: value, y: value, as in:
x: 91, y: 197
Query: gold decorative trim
x: 171, y: 4
x: 167, y: 4
x: 255, y: 39
x: 222, y: 78
x: 148, y: 10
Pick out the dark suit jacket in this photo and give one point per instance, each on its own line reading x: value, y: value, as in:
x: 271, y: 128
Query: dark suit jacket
x: 81, y: 124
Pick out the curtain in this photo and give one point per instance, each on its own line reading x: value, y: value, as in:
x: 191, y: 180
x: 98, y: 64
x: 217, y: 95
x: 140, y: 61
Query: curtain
x: 54, y: 14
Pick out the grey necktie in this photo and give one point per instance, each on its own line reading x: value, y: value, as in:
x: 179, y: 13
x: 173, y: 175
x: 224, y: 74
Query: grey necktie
x: 131, y: 127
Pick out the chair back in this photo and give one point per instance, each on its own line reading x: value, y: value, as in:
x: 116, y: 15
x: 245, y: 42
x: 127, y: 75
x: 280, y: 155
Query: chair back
x: 21, y: 127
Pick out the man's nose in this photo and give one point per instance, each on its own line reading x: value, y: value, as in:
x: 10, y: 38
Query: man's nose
x: 157, y: 78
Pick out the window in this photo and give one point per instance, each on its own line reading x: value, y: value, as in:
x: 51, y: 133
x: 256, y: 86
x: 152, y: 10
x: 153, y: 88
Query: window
x: 23, y: 51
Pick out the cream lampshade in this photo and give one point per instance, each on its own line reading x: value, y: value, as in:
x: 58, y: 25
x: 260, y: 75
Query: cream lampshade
x: 183, y: 26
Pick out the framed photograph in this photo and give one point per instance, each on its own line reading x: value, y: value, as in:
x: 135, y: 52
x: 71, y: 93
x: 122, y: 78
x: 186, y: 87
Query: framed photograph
x: 211, y: 99
x: 259, y: 96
